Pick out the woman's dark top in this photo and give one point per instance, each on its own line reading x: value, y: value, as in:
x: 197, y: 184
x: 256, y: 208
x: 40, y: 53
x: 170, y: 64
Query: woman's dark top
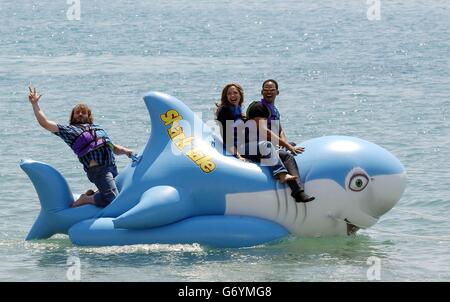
x: 233, y: 114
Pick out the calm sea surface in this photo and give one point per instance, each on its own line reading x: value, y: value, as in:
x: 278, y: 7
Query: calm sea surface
x: 386, y: 81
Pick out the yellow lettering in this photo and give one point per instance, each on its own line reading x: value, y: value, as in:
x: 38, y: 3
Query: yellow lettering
x: 203, y: 159
x: 195, y: 155
x: 181, y: 141
x: 170, y: 116
x: 207, y: 166
x: 175, y: 130
x: 176, y: 134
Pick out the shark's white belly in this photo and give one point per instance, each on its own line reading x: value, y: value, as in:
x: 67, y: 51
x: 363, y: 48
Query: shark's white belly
x: 275, y: 205
x: 326, y: 215
x: 315, y: 218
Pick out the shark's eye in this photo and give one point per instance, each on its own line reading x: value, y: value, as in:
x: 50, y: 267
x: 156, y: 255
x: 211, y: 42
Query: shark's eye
x: 358, y: 182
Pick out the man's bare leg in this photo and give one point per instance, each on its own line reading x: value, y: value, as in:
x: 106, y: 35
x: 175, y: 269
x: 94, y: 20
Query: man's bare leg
x: 84, y: 199
x: 284, y: 177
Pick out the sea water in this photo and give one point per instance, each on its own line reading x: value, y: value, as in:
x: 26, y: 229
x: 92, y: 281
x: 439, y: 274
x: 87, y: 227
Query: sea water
x: 378, y: 70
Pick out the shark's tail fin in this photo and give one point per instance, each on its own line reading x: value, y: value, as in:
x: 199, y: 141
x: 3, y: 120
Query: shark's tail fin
x: 54, y: 195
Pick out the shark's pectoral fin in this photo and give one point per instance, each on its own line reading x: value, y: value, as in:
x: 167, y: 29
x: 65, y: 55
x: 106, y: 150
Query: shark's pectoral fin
x: 158, y: 206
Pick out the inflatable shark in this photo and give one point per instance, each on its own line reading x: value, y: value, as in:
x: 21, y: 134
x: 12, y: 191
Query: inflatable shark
x: 183, y: 189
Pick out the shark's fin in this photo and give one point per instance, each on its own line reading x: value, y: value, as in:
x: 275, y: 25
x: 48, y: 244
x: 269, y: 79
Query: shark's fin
x: 174, y: 129
x: 55, y: 197
x: 42, y: 228
x: 158, y: 206
x: 52, y: 188
x: 172, y: 118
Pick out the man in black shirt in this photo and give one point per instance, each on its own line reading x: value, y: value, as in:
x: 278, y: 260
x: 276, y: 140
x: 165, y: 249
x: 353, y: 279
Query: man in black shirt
x: 267, y: 118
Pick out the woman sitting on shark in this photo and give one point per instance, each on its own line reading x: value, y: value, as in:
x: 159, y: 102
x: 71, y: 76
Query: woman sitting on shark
x: 229, y: 114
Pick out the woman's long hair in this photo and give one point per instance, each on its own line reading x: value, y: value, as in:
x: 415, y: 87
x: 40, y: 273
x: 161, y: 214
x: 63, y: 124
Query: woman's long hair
x: 224, y: 99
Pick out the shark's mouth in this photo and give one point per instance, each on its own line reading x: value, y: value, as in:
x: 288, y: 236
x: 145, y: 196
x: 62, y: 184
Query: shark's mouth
x: 351, y: 228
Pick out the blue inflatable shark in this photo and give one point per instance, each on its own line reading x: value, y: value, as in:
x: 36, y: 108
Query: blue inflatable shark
x: 182, y: 189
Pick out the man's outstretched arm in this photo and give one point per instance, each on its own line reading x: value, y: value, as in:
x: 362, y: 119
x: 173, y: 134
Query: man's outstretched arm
x: 34, y: 98
x: 119, y: 150
x: 271, y: 136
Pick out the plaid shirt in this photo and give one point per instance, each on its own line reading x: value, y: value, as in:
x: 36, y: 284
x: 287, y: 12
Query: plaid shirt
x: 102, y: 155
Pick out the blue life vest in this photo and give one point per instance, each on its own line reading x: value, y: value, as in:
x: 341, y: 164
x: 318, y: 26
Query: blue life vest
x: 274, y: 113
x: 237, y: 112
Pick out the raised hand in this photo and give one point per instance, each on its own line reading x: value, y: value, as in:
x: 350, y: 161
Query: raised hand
x: 33, y: 96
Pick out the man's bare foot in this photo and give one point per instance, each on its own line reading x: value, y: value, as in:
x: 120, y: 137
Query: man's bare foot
x: 89, y: 192
x: 84, y: 199
x: 284, y: 177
